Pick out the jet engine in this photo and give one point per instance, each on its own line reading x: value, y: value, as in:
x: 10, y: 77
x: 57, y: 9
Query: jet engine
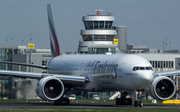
x: 50, y: 88
x: 162, y: 88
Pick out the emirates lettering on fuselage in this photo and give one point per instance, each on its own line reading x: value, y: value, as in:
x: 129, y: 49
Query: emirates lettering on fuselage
x: 103, y: 70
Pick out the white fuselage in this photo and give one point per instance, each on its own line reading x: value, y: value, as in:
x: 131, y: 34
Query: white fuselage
x: 106, y: 72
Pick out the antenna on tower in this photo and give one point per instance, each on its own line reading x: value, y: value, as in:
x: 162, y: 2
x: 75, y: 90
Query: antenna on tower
x: 169, y: 45
x: 22, y: 42
x: 165, y: 44
x: 30, y: 37
x: 6, y: 41
x: 98, y: 11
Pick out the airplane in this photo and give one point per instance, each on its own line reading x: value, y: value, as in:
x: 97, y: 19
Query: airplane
x: 96, y: 73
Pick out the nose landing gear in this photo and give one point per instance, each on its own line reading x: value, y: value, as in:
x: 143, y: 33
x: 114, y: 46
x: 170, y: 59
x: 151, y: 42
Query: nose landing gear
x: 123, y: 100
x: 138, y: 103
x: 128, y: 101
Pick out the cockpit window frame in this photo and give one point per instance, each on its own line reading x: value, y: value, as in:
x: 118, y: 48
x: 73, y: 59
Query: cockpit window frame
x: 135, y: 68
x: 147, y: 68
x: 141, y: 68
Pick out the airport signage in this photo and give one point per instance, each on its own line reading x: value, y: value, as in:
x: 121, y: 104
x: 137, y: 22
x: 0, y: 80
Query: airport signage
x: 31, y: 46
x: 115, y: 41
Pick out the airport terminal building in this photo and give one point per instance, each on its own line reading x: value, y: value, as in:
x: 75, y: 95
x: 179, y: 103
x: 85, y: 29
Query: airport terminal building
x: 12, y: 87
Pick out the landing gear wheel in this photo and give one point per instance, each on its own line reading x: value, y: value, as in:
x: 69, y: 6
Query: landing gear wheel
x: 129, y: 101
x: 121, y: 101
x: 140, y: 104
x: 135, y: 104
x: 117, y: 101
x: 62, y: 101
x: 56, y: 102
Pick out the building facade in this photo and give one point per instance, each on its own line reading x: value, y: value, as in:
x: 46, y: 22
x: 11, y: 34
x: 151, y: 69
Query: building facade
x: 19, y: 87
x: 6, y: 54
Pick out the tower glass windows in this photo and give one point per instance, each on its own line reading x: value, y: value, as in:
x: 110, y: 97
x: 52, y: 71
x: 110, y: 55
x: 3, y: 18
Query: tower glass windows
x: 98, y: 37
x: 106, y: 24
x: 110, y: 25
x: 90, y: 25
x: 87, y: 37
x: 100, y: 50
x: 101, y: 24
x: 95, y: 24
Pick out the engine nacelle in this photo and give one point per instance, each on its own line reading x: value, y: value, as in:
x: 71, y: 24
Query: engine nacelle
x: 50, y: 88
x: 162, y: 88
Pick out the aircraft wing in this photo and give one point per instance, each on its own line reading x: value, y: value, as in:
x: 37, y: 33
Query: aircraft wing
x: 69, y: 80
x: 24, y: 64
x: 167, y: 73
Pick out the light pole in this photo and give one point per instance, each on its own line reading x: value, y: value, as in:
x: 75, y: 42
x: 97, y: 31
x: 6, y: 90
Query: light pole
x: 13, y: 44
x: 30, y: 53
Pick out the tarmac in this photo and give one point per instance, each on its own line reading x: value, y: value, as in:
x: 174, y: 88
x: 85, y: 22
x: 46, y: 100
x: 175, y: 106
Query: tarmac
x: 14, y: 105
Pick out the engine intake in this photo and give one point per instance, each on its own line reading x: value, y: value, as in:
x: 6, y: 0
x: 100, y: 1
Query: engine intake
x: 162, y: 88
x: 50, y: 88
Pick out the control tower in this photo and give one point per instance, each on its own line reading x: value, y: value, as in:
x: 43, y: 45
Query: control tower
x: 100, y: 36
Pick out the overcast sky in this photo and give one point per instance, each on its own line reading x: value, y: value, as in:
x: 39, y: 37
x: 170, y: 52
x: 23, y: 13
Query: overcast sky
x: 148, y: 21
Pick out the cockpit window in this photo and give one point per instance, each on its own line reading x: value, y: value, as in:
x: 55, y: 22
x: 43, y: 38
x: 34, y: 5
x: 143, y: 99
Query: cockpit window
x: 142, y: 68
x: 135, y: 68
x: 151, y: 68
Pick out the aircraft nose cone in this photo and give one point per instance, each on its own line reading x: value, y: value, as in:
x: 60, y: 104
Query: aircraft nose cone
x: 147, y: 77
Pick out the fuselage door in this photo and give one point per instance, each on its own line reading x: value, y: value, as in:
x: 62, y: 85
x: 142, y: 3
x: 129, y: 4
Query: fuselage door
x: 121, y: 70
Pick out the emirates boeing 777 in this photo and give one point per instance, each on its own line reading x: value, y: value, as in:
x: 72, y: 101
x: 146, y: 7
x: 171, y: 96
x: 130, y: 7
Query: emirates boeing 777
x: 96, y: 73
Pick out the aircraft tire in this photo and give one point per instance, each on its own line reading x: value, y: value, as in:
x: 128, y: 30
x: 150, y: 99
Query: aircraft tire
x: 62, y: 101
x: 56, y: 102
x: 140, y: 104
x: 129, y: 100
x: 121, y: 101
x: 135, y: 103
x: 117, y: 101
